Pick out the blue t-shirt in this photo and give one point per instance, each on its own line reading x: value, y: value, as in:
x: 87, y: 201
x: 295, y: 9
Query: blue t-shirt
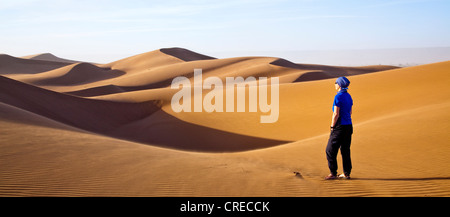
x: 344, y: 101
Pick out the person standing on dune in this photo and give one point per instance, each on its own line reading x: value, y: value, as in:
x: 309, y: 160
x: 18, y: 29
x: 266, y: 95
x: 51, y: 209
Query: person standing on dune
x: 341, y: 131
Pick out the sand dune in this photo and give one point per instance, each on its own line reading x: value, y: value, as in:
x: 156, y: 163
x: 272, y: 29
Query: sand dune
x: 49, y: 57
x: 131, y: 121
x: 93, y: 115
x: 75, y: 74
x: 12, y: 65
x: 142, y: 62
x: 156, y: 69
x: 79, y: 129
x: 13, y: 114
x: 308, y: 103
x: 184, y: 54
x: 160, y: 128
x: 318, y: 72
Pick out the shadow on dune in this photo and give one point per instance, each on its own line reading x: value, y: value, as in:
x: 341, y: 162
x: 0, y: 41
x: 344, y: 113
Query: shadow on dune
x: 51, y: 57
x: 112, y: 89
x: 167, y: 131
x: 92, y: 115
x: 81, y: 73
x: 320, y: 72
x: 13, y: 114
x: 314, y: 72
x: 14, y: 65
x: 184, y: 54
x: 141, y: 122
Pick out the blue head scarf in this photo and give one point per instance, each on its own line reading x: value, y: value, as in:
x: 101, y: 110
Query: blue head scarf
x: 343, y: 82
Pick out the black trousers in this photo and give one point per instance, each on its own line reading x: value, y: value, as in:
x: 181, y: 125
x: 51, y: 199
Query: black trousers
x: 340, y: 138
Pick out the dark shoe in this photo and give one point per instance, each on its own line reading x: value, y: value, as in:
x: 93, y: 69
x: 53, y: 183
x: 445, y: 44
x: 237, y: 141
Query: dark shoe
x: 331, y: 177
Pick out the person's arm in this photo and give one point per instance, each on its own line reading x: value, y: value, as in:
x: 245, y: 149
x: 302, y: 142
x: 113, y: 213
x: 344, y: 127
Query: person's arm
x: 335, y: 116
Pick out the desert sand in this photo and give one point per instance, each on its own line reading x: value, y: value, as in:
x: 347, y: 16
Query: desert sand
x: 73, y: 128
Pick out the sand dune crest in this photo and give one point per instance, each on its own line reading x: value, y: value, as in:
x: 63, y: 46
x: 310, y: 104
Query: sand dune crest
x: 49, y: 57
x: 76, y: 74
x: 184, y: 54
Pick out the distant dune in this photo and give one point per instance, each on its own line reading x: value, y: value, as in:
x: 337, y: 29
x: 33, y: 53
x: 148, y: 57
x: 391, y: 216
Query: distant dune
x: 49, y: 57
x: 318, y: 72
x: 75, y: 74
x: 12, y: 65
x: 185, y: 55
x: 71, y: 128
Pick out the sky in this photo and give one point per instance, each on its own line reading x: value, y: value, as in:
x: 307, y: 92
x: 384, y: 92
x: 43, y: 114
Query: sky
x: 108, y: 30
